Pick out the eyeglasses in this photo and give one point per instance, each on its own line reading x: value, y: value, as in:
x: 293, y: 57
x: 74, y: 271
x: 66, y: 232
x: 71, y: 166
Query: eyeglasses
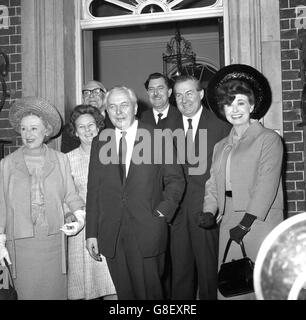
x: 95, y: 92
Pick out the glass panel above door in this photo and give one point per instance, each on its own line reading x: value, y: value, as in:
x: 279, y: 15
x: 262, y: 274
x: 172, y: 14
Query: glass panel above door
x: 112, y: 13
x: 107, y: 8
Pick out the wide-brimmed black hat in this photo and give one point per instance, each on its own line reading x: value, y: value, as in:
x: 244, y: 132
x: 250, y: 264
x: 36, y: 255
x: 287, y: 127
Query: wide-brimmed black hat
x: 255, y: 79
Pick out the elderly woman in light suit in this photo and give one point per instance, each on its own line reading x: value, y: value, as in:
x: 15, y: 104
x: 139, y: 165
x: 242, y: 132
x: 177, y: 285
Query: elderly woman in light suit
x: 35, y: 182
x: 244, y: 193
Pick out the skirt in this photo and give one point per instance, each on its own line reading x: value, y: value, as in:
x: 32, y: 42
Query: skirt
x: 39, y: 267
x: 231, y: 219
x: 87, y: 278
x: 252, y: 240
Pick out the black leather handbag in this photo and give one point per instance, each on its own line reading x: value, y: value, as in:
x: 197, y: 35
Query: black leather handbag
x: 9, y: 293
x: 236, y: 277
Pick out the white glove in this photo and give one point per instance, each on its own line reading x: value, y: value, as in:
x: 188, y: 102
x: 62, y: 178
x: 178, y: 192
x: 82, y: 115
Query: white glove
x: 73, y: 228
x: 3, y: 251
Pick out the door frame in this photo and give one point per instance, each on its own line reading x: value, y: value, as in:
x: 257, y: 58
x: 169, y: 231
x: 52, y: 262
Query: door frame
x: 86, y: 23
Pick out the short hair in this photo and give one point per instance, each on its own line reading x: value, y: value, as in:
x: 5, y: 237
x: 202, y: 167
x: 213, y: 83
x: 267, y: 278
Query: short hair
x: 225, y: 93
x: 131, y: 94
x: 94, y: 83
x: 81, y: 109
x: 158, y: 75
x: 184, y: 78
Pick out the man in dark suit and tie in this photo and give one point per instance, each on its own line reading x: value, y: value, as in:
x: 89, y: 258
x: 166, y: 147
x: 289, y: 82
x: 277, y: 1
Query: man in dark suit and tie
x: 194, y: 251
x: 130, y: 202
x: 159, y: 91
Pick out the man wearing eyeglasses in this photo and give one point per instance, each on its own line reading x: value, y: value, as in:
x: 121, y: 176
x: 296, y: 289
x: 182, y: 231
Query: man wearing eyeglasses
x: 93, y: 93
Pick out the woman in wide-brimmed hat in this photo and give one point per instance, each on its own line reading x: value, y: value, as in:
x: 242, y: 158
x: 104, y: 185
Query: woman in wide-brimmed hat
x: 35, y: 182
x: 244, y: 192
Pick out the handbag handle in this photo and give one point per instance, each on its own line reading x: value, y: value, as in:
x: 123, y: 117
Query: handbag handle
x: 228, y: 246
x: 9, y: 270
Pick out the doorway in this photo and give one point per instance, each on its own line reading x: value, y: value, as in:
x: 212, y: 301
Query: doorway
x: 127, y: 55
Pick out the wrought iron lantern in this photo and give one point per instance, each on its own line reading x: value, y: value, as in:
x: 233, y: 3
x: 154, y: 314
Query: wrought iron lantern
x: 179, y: 59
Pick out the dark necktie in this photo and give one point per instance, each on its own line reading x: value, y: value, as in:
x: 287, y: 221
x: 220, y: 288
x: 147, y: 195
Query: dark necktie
x: 189, y: 124
x: 189, y: 139
x: 159, y: 118
x: 122, y: 156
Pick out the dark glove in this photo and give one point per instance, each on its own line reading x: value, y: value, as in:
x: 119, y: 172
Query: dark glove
x: 237, y: 233
x: 206, y: 220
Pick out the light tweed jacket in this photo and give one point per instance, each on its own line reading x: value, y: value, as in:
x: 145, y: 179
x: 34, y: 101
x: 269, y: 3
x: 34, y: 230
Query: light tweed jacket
x: 255, y: 171
x: 15, y: 197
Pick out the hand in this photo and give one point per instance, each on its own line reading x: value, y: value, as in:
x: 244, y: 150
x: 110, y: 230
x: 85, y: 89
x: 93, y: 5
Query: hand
x: 92, y: 247
x: 206, y: 220
x: 237, y: 233
x: 73, y: 228
x: 3, y: 251
x: 70, y: 217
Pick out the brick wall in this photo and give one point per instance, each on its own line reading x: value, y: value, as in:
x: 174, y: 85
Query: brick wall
x: 10, y: 43
x: 292, y: 89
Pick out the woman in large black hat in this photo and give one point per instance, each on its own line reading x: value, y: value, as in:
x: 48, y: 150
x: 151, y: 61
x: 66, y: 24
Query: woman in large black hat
x: 35, y: 183
x: 244, y: 193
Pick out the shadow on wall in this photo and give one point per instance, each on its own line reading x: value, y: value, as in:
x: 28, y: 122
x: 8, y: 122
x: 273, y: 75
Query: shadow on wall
x: 285, y: 162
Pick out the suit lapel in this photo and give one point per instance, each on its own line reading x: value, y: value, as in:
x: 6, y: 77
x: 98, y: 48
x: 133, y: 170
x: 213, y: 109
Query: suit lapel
x: 132, y: 168
x: 201, y: 125
x: 49, y: 164
x: 20, y: 162
x: 171, y: 112
x: 108, y: 146
x: 227, y: 148
x: 179, y: 124
x: 203, y: 121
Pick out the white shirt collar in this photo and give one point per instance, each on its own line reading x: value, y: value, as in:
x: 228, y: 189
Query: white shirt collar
x: 195, y: 121
x: 130, y: 140
x: 165, y: 113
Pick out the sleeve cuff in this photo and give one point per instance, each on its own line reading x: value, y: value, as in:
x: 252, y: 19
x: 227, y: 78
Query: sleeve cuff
x: 247, y: 220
